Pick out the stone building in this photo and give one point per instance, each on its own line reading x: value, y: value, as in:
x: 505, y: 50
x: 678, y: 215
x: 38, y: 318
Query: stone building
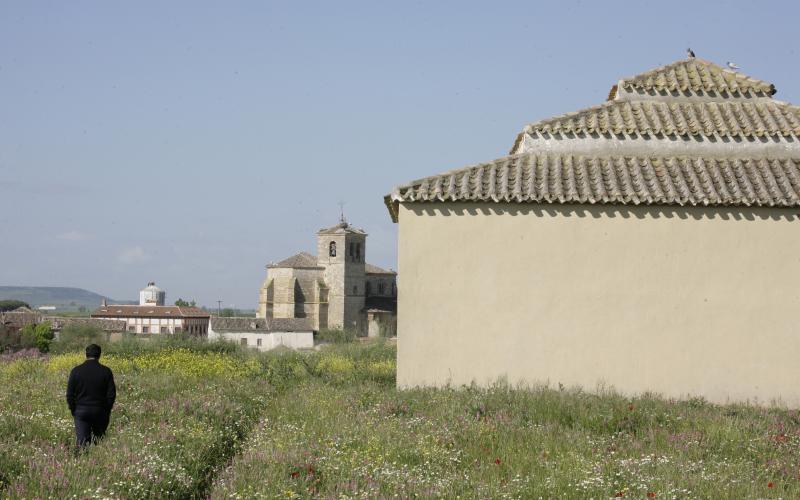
x: 649, y: 243
x: 334, y: 289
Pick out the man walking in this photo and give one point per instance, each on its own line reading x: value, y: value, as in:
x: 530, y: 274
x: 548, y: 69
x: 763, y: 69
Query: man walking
x: 90, y: 395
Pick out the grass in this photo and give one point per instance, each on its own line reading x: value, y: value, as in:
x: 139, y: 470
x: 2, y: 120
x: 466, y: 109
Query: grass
x: 199, y: 420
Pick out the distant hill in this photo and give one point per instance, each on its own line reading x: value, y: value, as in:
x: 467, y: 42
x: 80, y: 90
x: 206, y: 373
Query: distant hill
x: 63, y: 297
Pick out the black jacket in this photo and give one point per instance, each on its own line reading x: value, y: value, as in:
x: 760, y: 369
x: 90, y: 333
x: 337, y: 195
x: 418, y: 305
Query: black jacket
x: 91, y: 384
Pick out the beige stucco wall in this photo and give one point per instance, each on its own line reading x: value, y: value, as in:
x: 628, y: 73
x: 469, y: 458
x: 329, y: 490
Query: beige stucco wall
x: 683, y: 302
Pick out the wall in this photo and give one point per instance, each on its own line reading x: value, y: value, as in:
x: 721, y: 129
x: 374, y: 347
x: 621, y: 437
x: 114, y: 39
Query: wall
x: 683, y: 301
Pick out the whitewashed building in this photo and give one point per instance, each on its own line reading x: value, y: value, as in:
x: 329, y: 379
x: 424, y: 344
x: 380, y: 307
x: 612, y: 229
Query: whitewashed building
x: 263, y: 334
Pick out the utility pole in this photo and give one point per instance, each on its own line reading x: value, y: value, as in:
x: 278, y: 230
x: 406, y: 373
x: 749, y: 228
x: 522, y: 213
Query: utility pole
x: 219, y: 308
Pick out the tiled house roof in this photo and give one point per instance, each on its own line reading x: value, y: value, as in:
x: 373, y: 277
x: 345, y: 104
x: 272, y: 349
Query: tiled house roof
x: 532, y: 178
x: 697, y: 75
x: 725, y: 119
x: 689, y: 133
x: 126, y: 311
x: 259, y: 325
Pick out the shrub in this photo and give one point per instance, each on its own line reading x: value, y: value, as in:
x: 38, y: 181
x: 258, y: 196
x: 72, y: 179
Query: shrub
x: 77, y: 337
x: 335, y: 336
x: 39, y: 336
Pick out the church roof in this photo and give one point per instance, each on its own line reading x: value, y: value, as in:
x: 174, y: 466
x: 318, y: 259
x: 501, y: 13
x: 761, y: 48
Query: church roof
x: 259, y: 325
x: 340, y: 228
x: 300, y: 260
x: 372, y: 269
x: 696, y: 75
x: 688, y: 133
x: 535, y: 178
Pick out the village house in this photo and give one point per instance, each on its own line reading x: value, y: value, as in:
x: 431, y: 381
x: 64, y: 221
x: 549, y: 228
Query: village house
x: 337, y: 288
x: 261, y: 334
x: 649, y: 243
x: 151, y: 316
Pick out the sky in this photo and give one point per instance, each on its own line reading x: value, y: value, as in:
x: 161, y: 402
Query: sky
x: 192, y: 143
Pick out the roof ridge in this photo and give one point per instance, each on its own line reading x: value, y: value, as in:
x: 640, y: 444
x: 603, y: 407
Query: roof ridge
x: 733, y: 81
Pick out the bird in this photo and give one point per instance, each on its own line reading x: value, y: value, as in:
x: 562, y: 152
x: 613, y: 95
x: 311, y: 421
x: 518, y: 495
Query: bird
x: 690, y: 53
x: 732, y: 66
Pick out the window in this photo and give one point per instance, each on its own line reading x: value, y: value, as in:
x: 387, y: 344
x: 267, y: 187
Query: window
x: 258, y: 342
x: 332, y: 249
x: 243, y: 341
x: 352, y: 251
x: 145, y: 329
x: 381, y: 287
x: 368, y: 288
x: 132, y: 328
x: 358, y: 252
x: 163, y: 329
x: 355, y: 289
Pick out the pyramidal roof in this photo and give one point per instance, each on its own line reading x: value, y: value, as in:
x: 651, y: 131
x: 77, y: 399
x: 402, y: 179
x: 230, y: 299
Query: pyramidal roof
x: 688, y: 133
x: 696, y: 75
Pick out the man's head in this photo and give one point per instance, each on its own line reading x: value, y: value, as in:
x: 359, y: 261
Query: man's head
x: 93, y: 351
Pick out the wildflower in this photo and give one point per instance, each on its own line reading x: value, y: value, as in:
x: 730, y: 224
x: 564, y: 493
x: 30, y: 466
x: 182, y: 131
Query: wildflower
x: 770, y: 485
x: 651, y: 494
x: 630, y: 407
x: 295, y: 474
x: 619, y: 494
x: 497, y: 461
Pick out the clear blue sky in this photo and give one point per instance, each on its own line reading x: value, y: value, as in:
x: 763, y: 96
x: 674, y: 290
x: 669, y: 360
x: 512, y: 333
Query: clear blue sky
x: 191, y: 143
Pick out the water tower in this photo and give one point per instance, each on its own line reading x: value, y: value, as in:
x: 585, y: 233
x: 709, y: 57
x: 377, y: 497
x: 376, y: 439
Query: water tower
x: 151, y: 295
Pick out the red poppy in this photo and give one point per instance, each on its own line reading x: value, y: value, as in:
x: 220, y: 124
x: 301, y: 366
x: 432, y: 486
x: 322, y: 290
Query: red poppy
x: 770, y: 485
x: 651, y: 494
x: 497, y: 461
x: 619, y: 494
x: 310, y: 470
x: 295, y: 474
x: 630, y: 407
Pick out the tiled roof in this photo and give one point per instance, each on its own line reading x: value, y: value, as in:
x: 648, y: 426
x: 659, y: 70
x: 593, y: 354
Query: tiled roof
x: 540, y: 178
x: 125, y: 311
x: 107, y: 325
x: 342, y: 227
x: 300, y: 260
x: 723, y: 118
x: 290, y: 325
x: 697, y: 75
x: 239, y: 325
x: 259, y: 325
x: 371, y: 269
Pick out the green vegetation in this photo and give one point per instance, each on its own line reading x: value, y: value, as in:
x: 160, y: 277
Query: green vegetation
x: 335, y: 336
x: 10, y: 305
x: 182, y: 303
x: 37, y: 336
x: 197, y: 419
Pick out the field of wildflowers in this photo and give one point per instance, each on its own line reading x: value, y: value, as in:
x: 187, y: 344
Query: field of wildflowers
x: 197, y: 420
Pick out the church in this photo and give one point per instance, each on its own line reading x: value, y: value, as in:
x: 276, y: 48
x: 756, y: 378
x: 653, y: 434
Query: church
x: 335, y: 289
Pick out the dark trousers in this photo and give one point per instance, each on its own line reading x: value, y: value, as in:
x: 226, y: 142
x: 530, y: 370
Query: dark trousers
x: 90, y: 424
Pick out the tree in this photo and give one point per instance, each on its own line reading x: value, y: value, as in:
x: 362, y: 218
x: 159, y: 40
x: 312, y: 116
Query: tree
x: 39, y: 336
x: 182, y: 303
x: 10, y: 305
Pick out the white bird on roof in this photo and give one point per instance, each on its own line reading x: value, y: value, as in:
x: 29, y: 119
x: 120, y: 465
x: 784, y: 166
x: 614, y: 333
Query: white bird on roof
x: 732, y: 66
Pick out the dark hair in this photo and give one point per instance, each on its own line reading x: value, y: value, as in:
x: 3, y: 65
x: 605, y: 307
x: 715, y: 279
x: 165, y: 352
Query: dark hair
x: 93, y: 351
